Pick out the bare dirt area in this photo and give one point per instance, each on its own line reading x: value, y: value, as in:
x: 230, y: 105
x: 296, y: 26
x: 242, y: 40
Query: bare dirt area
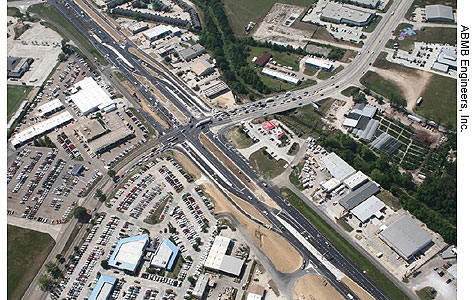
x: 187, y: 165
x: 360, y: 292
x: 249, y: 208
x: 275, y: 27
x: 237, y: 172
x: 412, y: 85
x: 224, y: 101
x: 314, y: 286
x: 283, y: 256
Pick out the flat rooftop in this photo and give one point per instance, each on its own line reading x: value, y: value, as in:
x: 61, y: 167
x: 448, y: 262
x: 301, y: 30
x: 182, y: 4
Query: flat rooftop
x: 337, y: 167
x: 128, y: 253
x: 341, y: 12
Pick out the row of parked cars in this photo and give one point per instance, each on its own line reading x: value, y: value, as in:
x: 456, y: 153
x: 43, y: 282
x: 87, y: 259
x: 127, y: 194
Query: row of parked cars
x: 68, y: 146
x: 136, y: 190
x: 147, y: 197
x: 171, y: 179
x: 23, y: 175
x: 186, y: 226
x: 89, y: 183
x: 15, y: 166
x: 195, y: 210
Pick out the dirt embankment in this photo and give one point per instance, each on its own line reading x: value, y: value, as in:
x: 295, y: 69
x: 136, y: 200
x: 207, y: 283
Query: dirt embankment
x: 284, y: 257
x: 237, y: 172
x: 314, y: 286
x: 187, y: 165
x: 360, y: 292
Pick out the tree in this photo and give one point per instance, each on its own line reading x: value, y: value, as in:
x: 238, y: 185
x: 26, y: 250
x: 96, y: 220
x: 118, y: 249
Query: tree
x: 105, y: 264
x: 192, y: 280
x: 45, y: 282
x: 80, y: 213
x: 58, y: 256
x: 111, y: 173
x: 168, y: 59
x: 99, y: 194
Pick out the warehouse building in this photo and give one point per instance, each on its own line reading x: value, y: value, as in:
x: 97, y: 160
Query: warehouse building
x: 358, y: 196
x: 255, y: 292
x: 103, y: 288
x: 216, y: 90
x: 129, y: 252
x: 191, y: 52
x: 89, y: 97
x: 41, y: 128
x: 138, y: 27
x: 355, y: 181
x: 446, y: 60
x: 105, y: 134
x: 439, y: 13
x: 263, y: 59
x: 50, y: 108
x: 161, y: 31
x: 330, y: 185
x: 372, y: 207
x: 319, y: 64
x: 200, y: 289
x: 405, y: 237
x: 364, y: 3
x: 281, y: 76
x: 17, y: 66
x: 347, y: 14
x: 165, y: 256
x: 202, y: 68
x: 218, y: 260
x: 360, y: 121
x: 337, y: 167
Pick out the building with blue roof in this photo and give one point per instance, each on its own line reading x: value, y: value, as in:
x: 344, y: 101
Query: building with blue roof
x: 103, y: 288
x: 165, y: 256
x: 129, y: 252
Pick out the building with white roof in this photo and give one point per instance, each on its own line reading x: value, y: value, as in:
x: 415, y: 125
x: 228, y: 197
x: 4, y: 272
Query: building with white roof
x: 354, y: 181
x: 202, y: 68
x: 218, y: 260
x: 41, y: 128
x: 439, y: 13
x: 50, y: 107
x: 330, y: 185
x: 364, y: 3
x: 370, y: 207
x: 160, y: 31
x: 129, y: 252
x: 165, y: 256
x: 201, y: 286
x: 337, y: 167
x: 405, y: 237
x: 281, y: 76
x: 103, y: 288
x: 89, y: 97
x: 138, y: 27
x: 347, y: 14
x: 446, y: 60
x: 318, y: 63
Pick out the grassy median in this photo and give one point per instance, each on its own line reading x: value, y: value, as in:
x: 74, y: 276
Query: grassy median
x: 382, y: 282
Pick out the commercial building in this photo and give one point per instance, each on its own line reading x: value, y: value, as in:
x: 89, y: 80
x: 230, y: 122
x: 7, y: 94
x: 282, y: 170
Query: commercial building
x: 319, y: 64
x: 41, y: 128
x: 360, y: 122
x: 446, y: 60
x: 364, y: 3
x: 255, y: 292
x: 201, y: 286
x: 103, y: 135
x: 50, y: 108
x: 337, y: 167
x: 89, y: 97
x: 330, y: 185
x: 202, y: 68
x: 280, y: 76
x: 161, y: 31
x: 355, y: 181
x: 191, y: 52
x: 216, y: 90
x: 138, y: 27
x: 439, y: 13
x: 129, y: 252
x: 103, y: 288
x: 218, y: 260
x: 358, y: 196
x: 17, y: 66
x: 165, y: 256
x: 347, y: 14
x: 372, y: 207
x: 273, y: 129
x: 405, y: 237
x: 263, y: 59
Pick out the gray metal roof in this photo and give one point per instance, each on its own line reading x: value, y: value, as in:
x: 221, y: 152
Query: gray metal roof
x: 339, y: 12
x: 338, y: 168
x: 231, y: 265
x: 369, y: 131
x: 364, y: 110
x: 358, y: 196
x: 386, y: 143
x: 373, y: 3
x: 201, y: 285
x: 368, y: 208
x: 439, y: 12
x: 440, y: 67
x: 447, y: 56
x: 405, y: 237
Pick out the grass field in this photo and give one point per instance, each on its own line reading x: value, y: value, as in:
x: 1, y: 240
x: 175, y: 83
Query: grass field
x: 426, y: 294
x: 380, y: 85
x: 372, y: 24
x: 241, y: 12
x: 283, y: 58
x: 13, y: 12
x: 348, y: 92
x: 15, y: 95
x: 269, y: 168
x: 26, y: 252
x: 239, y: 139
x: 439, y: 100
x: 429, y: 35
x: 51, y: 13
x: 344, y: 247
x: 324, y: 75
x: 310, y: 71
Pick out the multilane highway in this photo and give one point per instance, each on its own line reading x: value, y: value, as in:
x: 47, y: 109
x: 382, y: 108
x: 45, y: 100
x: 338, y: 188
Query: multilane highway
x: 188, y: 134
